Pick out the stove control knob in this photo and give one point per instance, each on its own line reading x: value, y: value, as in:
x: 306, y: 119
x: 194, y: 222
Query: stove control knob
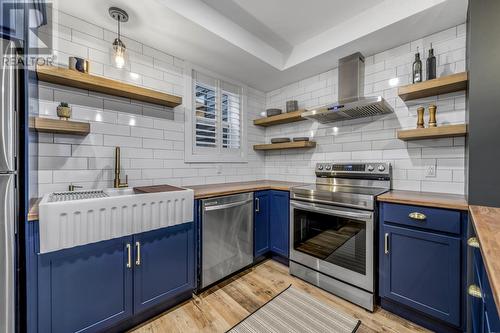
x: 371, y: 168
x: 381, y: 168
x: 328, y: 167
x: 320, y: 167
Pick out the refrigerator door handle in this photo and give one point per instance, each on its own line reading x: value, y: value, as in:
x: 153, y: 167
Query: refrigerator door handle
x: 7, y: 253
x: 7, y: 118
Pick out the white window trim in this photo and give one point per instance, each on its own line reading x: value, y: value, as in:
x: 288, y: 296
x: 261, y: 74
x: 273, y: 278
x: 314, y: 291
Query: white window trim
x: 189, y: 149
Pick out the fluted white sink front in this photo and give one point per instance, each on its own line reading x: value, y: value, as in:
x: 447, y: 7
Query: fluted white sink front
x: 66, y: 224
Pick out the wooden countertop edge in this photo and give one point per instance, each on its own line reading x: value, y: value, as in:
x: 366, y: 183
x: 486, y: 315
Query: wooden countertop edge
x: 242, y: 190
x: 488, y: 258
x: 438, y: 200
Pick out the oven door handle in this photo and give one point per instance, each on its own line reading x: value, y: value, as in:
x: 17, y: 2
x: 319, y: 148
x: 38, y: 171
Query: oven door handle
x: 329, y: 211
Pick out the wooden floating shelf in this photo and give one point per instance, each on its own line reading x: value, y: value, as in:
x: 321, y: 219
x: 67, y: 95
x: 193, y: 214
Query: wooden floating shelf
x: 441, y: 85
x: 285, y: 145
x: 445, y: 131
x: 72, y: 78
x: 288, y: 117
x: 49, y: 125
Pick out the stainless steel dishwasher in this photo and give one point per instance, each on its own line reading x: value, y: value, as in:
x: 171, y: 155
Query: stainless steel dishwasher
x: 226, y: 236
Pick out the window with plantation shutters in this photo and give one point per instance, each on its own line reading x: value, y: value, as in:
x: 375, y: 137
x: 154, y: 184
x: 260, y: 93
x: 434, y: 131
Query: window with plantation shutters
x: 216, y: 117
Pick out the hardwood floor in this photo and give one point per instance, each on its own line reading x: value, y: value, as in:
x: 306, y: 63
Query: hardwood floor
x: 223, y: 306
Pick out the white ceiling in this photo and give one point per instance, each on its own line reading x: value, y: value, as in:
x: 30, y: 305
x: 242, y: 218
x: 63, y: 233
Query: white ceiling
x: 297, y: 20
x: 270, y: 43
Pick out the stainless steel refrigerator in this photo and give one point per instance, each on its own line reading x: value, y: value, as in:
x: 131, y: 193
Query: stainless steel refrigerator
x: 8, y: 191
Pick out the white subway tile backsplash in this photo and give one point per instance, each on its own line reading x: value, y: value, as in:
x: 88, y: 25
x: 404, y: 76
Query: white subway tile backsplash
x: 61, y: 163
x: 110, y: 129
x: 47, y: 149
x: 145, y: 163
x: 146, y: 132
x: 122, y: 141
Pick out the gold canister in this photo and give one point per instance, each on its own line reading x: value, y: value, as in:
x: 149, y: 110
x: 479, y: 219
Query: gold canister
x: 420, y: 115
x: 432, y: 115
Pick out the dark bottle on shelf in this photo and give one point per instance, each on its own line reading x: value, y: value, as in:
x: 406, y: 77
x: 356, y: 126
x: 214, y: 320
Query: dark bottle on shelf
x: 417, y: 68
x: 431, y: 65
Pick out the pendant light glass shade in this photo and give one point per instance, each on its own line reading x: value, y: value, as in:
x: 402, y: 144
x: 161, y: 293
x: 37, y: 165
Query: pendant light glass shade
x: 119, y: 54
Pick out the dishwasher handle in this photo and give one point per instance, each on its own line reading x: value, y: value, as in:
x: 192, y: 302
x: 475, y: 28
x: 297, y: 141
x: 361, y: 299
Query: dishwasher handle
x: 228, y: 205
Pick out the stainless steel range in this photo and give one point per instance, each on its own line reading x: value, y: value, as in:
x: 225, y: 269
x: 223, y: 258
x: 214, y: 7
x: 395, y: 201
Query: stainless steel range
x: 332, y: 229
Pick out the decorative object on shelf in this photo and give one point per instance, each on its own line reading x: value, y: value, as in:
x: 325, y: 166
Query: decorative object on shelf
x: 431, y: 65
x: 420, y: 117
x: 79, y: 64
x: 417, y: 68
x: 280, y: 140
x: 119, y: 53
x: 301, y: 138
x: 273, y: 112
x: 432, y: 115
x: 292, y: 106
x: 64, y: 111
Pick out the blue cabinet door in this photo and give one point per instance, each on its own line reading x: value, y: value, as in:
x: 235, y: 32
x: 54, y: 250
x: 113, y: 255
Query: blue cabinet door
x: 261, y: 223
x: 421, y: 270
x: 279, y: 222
x: 85, y: 289
x: 163, y: 265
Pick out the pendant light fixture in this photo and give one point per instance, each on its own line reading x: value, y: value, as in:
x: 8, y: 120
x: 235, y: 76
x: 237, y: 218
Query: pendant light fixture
x: 118, y: 53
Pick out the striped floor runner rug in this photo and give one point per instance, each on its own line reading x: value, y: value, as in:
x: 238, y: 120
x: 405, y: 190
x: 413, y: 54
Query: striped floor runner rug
x: 295, y: 311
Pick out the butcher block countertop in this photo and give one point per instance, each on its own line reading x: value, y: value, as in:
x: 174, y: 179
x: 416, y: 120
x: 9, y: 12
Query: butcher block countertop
x: 428, y: 199
x: 215, y: 190
x: 486, y: 221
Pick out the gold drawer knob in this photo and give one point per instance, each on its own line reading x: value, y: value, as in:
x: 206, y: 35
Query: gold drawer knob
x: 417, y: 216
x: 473, y: 242
x: 474, y: 291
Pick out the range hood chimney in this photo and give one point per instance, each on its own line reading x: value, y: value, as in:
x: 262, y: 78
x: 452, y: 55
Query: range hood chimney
x: 352, y: 103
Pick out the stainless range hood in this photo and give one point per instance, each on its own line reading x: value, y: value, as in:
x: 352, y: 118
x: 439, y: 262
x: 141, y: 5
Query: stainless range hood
x: 352, y: 104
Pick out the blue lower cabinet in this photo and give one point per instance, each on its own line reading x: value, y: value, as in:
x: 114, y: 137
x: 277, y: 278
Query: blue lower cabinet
x: 164, y: 265
x: 261, y: 223
x: 279, y: 219
x: 95, y: 287
x: 422, y: 270
x: 85, y: 289
x: 422, y: 265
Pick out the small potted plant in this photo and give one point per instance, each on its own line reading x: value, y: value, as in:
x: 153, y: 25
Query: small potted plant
x: 64, y: 111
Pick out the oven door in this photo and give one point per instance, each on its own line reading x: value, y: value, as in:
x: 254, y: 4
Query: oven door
x: 333, y: 240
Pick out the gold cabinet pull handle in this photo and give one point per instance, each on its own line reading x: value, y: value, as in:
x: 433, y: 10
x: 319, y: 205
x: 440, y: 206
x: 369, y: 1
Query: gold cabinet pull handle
x: 475, y: 291
x: 417, y: 216
x: 138, y: 248
x: 386, y: 243
x: 129, y: 256
x: 473, y: 242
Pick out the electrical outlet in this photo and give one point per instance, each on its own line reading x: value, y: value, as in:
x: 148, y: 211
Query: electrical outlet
x: 430, y: 170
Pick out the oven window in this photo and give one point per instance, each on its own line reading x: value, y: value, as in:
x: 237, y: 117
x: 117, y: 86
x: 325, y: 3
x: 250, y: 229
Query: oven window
x: 338, y: 240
